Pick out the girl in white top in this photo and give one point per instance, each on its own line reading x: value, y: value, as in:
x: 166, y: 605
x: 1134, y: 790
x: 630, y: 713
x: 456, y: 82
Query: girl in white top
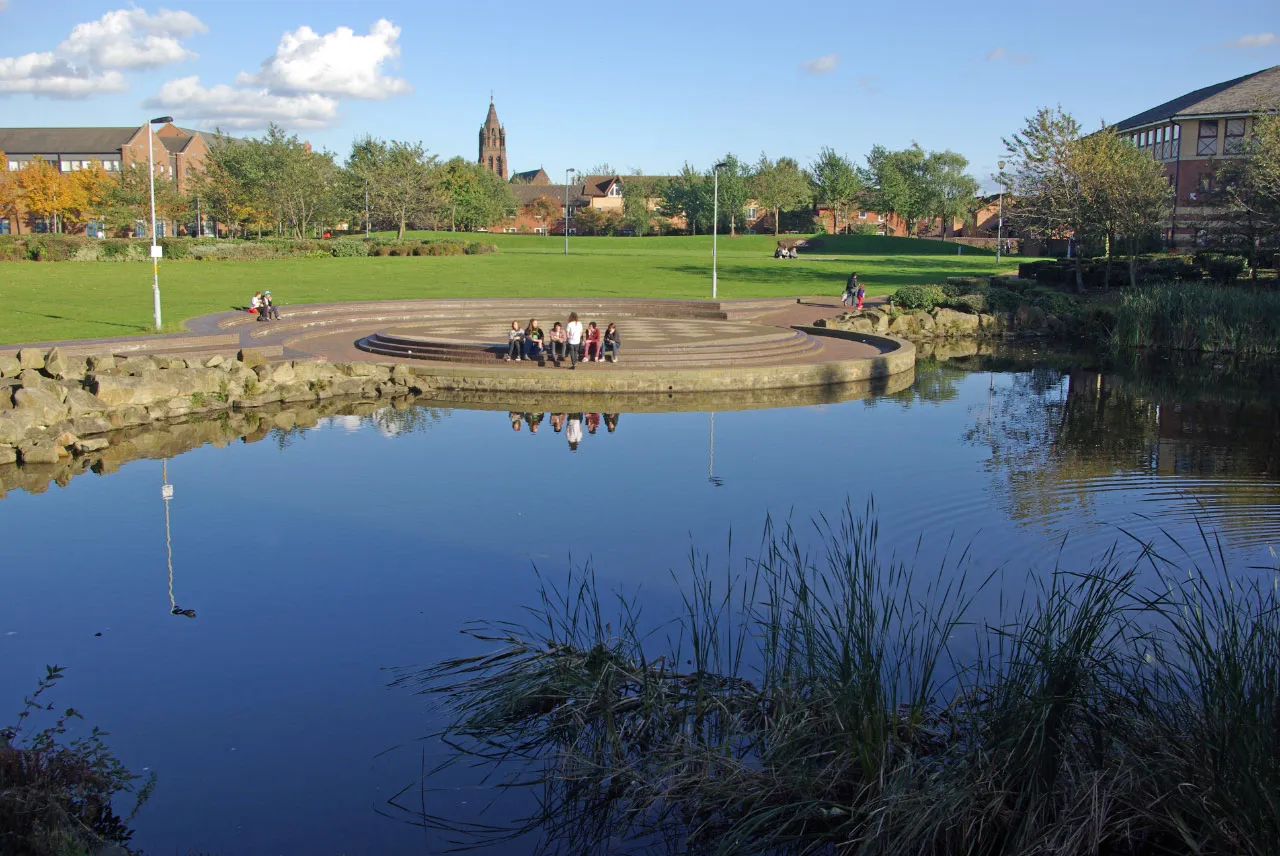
x: 574, y: 331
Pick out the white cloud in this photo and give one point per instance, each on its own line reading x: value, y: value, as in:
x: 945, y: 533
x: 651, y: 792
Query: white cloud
x: 47, y: 74
x: 821, y: 65
x: 338, y: 63
x: 1254, y: 40
x: 1003, y: 54
x: 132, y: 38
x: 87, y: 62
x: 233, y: 107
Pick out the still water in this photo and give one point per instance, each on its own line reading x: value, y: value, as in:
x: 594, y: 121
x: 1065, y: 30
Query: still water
x: 314, y: 560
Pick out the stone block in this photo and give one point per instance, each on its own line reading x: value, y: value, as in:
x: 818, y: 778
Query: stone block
x: 81, y: 402
x: 31, y: 358
x: 214, y: 361
x: 14, y: 425
x: 952, y: 321
x: 88, y: 425
x: 8, y: 454
x: 137, y: 365
x: 252, y: 357
x: 95, y: 445
x: 9, y: 366
x: 41, y: 403
x: 39, y: 453
x: 101, y: 362
x: 282, y: 373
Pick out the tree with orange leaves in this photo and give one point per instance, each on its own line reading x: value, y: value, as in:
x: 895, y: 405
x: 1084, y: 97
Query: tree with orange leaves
x: 9, y: 191
x: 44, y: 191
x: 88, y: 191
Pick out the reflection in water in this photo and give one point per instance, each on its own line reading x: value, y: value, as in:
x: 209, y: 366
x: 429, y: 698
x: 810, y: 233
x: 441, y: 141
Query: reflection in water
x: 570, y: 423
x: 1197, y: 440
x: 711, y: 454
x: 166, y: 492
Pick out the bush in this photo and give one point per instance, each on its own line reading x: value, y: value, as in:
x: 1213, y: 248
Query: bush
x: 116, y: 250
x: 1056, y: 303
x: 924, y: 297
x: 175, y: 248
x: 444, y: 248
x: 382, y: 250
x: 1011, y: 283
x: 1221, y: 268
x: 349, y: 248
x: 973, y: 304
x: 11, y: 250
x: 968, y: 284
x: 1001, y: 300
x: 476, y: 248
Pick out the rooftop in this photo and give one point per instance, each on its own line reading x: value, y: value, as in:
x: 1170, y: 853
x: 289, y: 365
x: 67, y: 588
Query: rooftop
x: 37, y: 141
x: 1248, y: 94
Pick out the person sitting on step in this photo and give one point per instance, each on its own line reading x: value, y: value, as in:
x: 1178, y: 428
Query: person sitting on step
x: 592, y: 344
x: 515, y: 343
x: 612, y: 341
x: 533, y: 337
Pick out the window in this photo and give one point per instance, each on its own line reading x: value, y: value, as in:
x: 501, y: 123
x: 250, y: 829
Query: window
x: 1234, y: 143
x: 540, y: 230
x: 751, y: 213
x: 1177, y: 131
x: 616, y: 190
x: 1207, y: 145
x: 1204, y: 183
x: 65, y: 165
x: 510, y: 230
x: 14, y: 165
x: 4, y: 225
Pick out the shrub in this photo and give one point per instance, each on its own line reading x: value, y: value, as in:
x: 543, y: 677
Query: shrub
x: 1195, y: 317
x: 968, y: 284
x: 349, y: 248
x: 1220, y: 268
x: 1003, y: 300
x: 1011, y: 283
x: 974, y: 304
x: 116, y: 250
x: 443, y: 248
x: 474, y: 248
x: 1056, y: 303
x: 381, y: 250
x: 924, y: 297
x: 175, y: 248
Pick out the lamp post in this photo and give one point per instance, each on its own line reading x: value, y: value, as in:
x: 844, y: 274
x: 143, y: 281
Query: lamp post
x: 715, y: 221
x: 155, y: 248
x: 1000, y: 221
x: 566, y: 209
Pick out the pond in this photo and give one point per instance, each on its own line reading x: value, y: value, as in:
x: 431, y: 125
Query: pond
x: 237, y: 638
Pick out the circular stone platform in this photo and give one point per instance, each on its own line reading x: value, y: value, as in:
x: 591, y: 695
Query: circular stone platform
x: 669, y: 347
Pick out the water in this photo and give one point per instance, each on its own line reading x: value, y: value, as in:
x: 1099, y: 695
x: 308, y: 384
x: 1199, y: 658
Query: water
x: 317, y: 558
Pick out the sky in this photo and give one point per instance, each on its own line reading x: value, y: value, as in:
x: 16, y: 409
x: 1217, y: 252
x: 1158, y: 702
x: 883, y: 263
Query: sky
x: 638, y: 86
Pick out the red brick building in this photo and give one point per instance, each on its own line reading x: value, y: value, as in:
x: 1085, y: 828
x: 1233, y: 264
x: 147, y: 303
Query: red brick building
x: 493, y: 143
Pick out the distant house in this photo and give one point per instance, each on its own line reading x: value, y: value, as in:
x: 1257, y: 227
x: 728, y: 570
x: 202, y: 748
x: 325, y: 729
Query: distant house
x: 176, y: 152
x: 1192, y: 133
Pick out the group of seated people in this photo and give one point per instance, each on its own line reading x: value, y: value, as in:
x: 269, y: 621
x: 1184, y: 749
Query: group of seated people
x: 571, y: 340
x: 264, y: 307
x: 786, y: 252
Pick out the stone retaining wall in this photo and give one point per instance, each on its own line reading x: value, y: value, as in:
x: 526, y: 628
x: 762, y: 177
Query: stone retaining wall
x: 944, y: 323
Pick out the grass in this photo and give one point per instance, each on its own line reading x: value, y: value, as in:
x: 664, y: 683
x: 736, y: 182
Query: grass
x: 1199, y: 317
x: 69, y: 300
x: 831, y: 702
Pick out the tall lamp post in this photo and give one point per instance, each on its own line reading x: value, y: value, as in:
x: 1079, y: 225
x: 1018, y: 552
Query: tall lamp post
x: 155, y: 248
x: 1000, y: 221
x: 566, y: 208
x: 715, y: 221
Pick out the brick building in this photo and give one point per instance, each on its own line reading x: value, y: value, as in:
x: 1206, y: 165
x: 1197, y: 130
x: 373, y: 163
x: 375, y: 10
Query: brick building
x: 1192, y: 134
x: 178, y: 153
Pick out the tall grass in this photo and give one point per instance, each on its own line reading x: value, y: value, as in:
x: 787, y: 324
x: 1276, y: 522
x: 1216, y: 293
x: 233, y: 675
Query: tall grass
x: 1199, y: 317
x: 835, y: 702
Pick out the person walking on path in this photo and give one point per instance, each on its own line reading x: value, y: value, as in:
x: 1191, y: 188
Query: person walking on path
x: 850, y: 286
x: 861, y: 293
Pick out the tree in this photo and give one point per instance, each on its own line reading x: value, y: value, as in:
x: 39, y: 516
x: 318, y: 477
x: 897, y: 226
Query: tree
x: 899, y: 183
x: 734, y: 190
x: 42, y: 188
x: 1250, y: 189
x: 360, y: 179
x: 780, y: 186
x: 474, y: 196
x: 544, y: 209
x: 92, y: 187
x: 836, y: 184
x: 1049, y: 202
x: 404, y: 183
x: 688, y: 195
x: 635, y: 205
x: 951, y: 189
x: 10, y: 192
x: 1139, y: 196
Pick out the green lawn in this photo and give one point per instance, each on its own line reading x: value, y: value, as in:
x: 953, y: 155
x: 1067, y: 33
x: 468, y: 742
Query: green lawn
x: 73, y: 300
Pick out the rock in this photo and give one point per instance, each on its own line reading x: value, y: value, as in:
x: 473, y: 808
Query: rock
x: 157, y: 386
x: 137, y: 365
x: 1029, y: 317
x: 991, y: 323
x: 83, y: 425
x: 31, y: 358
x: 903, y: 325
x: 32, y: 379
x: 358, y: 369
x: 214, y: 361
x: 65, y: 367
x: 81, y: 402
x: 8, y: 454
x: 41, y: 403
x: 951, y: 350
x: 39, y: 453
x: 924, y: 321
x: 15, y: 424
x: 66, y: 438
x: 124, y: 417
x: 955, y: 322
x: 95, y: 445
x: 285, y: 419
x: 879, y: 320
x: 282, y: 373
x: 54, y: 363
x: 295, y: 392
x: 252, y: 357
x: 9, y: 366
x: 101, y: 362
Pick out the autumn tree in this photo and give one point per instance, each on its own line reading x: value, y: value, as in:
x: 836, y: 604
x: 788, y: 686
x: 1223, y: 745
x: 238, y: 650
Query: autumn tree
x: 10, y: 192
x: 779, y: 186
x: 42, y: 189
x: 836, y: 184
x: 92, y: 188
x: 544, y: 209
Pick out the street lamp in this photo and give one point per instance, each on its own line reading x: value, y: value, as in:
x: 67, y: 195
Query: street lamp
x: 566, y: 209
x: 1000, y: 221
x: 715, y: 222
x: 155, y: 248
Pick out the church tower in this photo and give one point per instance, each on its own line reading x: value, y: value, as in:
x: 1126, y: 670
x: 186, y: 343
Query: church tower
x: 493, y: 143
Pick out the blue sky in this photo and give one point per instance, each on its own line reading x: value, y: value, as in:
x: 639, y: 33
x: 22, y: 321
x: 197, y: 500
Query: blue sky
x: 644, y: 86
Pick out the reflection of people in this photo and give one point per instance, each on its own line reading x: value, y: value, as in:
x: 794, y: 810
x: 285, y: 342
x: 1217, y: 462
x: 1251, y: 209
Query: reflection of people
x: 593, y: 422
x: 611, y: 422
x: 557, y: 422
x: 515, y: 420
x: 573, y: 432
x: 534, y: 420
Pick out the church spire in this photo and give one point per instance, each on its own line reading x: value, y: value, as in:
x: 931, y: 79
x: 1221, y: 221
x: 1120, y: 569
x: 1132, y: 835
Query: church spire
x: 493, y: 142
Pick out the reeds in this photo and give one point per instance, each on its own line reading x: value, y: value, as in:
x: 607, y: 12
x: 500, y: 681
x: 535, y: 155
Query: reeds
x: 1199, y: 317
x: 835, y: 702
